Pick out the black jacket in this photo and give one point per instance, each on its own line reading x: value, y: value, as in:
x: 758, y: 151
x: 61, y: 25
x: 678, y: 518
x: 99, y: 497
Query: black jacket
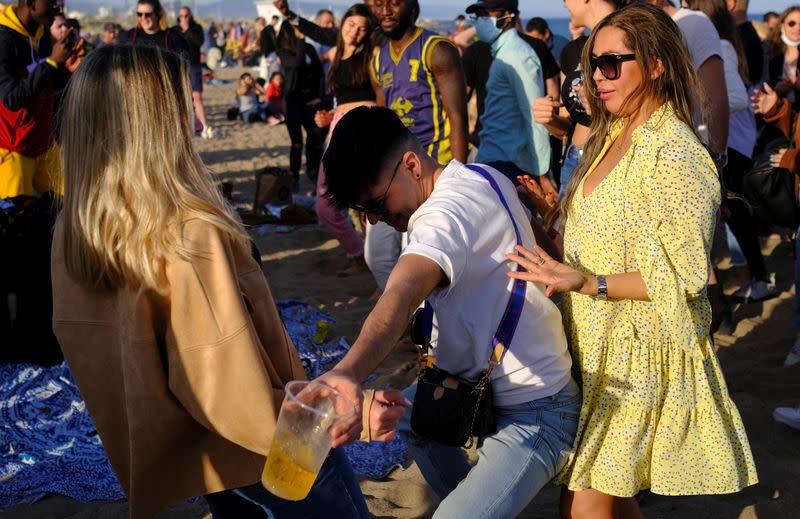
x: 28, y: 86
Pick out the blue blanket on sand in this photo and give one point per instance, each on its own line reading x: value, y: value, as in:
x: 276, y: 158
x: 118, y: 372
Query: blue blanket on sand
x: 48, y: 443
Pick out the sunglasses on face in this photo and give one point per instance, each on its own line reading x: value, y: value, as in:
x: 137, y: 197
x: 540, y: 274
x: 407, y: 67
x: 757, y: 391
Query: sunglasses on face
x: 791, y: 23
x: 378, y: 205
x: 145, y: 15
x: 609, y: 64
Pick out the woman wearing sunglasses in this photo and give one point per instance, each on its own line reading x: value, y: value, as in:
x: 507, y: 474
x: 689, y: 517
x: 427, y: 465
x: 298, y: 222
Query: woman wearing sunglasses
x: 783, y: 56
x: 639, y: 215
x: 151, y: 29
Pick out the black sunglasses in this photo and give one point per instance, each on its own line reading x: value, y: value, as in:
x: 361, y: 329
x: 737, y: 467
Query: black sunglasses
x: 609, y: 64
x: 145, y: 15
x: 378, y: 205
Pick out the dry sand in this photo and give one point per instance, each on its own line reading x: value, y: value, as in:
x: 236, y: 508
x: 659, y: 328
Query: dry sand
x: 301, y: 265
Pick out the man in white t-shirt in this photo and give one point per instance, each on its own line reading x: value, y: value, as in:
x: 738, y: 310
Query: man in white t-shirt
x: 458, y: 236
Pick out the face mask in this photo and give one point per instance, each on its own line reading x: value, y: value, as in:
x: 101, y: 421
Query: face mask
x: 789, y: 43
x: 486, y: 29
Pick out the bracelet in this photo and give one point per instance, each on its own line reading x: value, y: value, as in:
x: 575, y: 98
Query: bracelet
x: 602, y: 289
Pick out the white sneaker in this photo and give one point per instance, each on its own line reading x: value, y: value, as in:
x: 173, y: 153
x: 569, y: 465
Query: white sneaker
x: 756, y: 291
x: 793, y: 357
x: 208, y: 133
x: 788, y: 415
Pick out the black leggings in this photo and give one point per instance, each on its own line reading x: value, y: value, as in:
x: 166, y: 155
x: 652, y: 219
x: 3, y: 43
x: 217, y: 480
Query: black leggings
x: 738, y: 215
x: 299, y: 115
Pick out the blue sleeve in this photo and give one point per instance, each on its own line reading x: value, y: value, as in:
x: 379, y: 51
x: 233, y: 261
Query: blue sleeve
x: 526, y: 77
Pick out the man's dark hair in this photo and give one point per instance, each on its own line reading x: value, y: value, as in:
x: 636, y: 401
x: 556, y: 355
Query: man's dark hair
x: 770, y: 14
x: 366, y: 140
x: 537, y: 24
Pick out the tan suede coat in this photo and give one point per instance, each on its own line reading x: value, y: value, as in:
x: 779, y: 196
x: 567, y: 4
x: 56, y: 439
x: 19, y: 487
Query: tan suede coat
x: 184, y: 389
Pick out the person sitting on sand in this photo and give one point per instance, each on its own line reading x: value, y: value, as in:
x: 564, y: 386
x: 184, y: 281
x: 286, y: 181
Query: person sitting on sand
x: 250, y: 108
x: 166, y: 320
x: 460, y: 223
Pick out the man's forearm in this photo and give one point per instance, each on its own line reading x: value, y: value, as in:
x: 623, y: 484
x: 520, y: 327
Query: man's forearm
x: 381, y: 332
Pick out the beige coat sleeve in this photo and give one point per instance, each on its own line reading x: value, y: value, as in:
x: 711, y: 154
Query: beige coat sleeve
x: 217, y: 366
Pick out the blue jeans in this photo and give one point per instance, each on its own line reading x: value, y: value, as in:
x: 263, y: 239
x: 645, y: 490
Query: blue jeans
x: 571, y: 160
x: 532, y: 443
x: 335, y: 494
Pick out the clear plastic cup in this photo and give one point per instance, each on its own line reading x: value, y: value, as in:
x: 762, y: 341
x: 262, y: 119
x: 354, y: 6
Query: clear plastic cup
x: 302, y: 437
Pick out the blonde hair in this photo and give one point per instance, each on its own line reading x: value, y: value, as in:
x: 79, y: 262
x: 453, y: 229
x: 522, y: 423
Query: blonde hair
x: 131, y: 174
x: 653, y: 37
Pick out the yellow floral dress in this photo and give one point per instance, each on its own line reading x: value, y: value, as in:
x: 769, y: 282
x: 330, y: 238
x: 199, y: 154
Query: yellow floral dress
x: 656, y: 412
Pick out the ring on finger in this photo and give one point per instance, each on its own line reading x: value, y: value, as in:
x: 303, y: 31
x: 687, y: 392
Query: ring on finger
x: 542, y: 262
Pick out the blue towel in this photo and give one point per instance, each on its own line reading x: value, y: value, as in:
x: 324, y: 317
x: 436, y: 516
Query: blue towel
x: 48, y: 442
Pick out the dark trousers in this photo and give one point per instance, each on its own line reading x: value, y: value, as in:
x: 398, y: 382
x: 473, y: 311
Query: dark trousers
x: 299, y: 115
x: 738, y: 216
x: 335, y: 494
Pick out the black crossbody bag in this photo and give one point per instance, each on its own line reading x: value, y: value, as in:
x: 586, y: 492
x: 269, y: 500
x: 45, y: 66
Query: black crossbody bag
x: 449, y: 409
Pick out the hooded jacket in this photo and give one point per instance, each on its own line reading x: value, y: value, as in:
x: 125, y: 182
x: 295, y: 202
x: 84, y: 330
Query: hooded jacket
x: 28, y: 87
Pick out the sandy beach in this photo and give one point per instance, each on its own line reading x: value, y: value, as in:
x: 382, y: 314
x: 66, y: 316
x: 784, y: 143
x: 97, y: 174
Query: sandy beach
x: 302, y: 264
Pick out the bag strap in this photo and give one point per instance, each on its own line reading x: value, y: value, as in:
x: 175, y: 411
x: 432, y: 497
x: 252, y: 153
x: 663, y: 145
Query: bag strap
x: 508, y: 324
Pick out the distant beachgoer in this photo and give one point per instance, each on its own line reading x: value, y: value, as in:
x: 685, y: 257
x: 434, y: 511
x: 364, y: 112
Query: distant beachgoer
x: 640, y: 215
x: 537, y: 27
x: 352, y: 85
x: 195, y: 39
x: 756, y: 283
x: 511, y: 140
x: 165, y: 318
x: 784, y: 54
x: 151, y: 30
x: 251, y: 109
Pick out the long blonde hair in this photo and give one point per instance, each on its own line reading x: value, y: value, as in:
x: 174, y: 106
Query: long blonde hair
x: 131, y: 174
x: 652, y: 36
x: 776, y: 45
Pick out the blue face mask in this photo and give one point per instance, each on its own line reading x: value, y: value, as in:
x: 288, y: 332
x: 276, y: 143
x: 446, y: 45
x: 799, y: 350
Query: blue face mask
x: 486, y: 29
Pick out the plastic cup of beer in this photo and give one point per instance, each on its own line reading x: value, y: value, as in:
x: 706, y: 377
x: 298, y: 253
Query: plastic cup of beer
x: 302, y: 437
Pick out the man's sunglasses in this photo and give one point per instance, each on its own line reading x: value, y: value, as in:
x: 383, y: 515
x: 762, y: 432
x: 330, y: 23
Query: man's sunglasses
x: 609, y: 64
x: 145, y: 15
x: 378, y: 205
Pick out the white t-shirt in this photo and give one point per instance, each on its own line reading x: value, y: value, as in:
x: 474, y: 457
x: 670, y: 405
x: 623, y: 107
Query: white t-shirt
x: 464, y: 229
x: 700, y: 35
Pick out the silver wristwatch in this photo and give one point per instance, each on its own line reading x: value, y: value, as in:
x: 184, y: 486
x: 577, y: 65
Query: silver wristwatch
x: 602, y: 289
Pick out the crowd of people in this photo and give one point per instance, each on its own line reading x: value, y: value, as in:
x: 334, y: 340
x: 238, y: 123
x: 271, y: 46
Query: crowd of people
x: 563, y: 244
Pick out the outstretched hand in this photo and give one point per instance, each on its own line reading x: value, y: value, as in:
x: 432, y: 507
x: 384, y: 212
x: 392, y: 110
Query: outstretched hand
x: 764, y: 100
x: 541, y: 268
x: 347, y: 431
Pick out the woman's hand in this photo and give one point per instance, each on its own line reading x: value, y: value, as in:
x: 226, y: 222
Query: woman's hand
x: 543, y: 196
x: 776, y: 159
x: 541, y: 268
x: 764, y: 100
x: 388, y: 407
x: 545, y: 109
x: 581, y: 91
x: 323, y: 118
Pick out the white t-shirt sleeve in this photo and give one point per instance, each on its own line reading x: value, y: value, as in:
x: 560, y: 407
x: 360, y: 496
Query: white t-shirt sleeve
x: 699, y: 34
x: 738, y: 99
x: 439, y: 237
